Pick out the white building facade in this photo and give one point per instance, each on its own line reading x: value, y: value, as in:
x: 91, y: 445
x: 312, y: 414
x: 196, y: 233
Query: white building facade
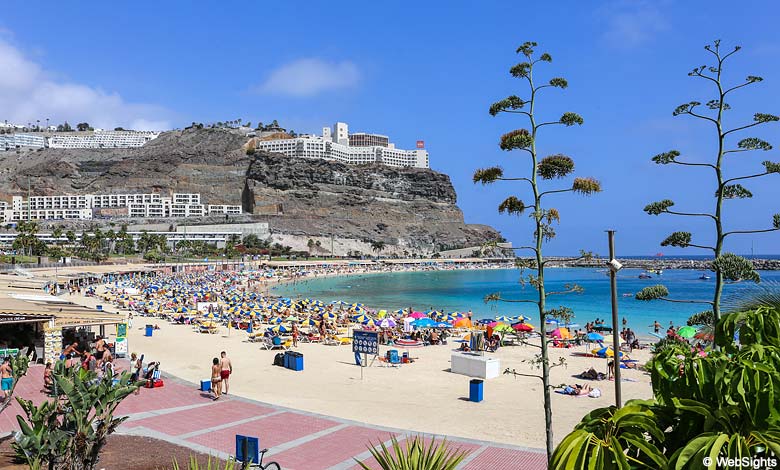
x: 78, y: 140
x: 334, y: 145
x: 145, y: 205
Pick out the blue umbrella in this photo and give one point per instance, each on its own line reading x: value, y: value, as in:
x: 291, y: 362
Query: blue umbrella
x: 594, y: 337
x: 443, y: 325
x: 424, y: 323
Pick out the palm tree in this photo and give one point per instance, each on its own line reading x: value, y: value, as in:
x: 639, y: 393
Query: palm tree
x: 57, y: 234
x: 377, y: 246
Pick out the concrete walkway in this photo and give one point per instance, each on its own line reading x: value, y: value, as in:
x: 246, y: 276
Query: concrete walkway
x: 297, y: 440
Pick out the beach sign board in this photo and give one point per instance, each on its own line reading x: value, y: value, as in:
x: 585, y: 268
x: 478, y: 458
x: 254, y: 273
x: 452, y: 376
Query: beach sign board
x: 121, y: 330
x: 120, y: 346
x: 366, y: 342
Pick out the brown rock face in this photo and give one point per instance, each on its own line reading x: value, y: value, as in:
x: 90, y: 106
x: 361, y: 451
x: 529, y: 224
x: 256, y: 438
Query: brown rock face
x: 408, y: 207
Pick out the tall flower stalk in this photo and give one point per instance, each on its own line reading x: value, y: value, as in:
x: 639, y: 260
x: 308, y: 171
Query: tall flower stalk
x: 552, y: 167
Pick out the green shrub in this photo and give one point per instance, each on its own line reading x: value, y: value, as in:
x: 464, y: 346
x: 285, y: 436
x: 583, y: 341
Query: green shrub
x: 416, y: 455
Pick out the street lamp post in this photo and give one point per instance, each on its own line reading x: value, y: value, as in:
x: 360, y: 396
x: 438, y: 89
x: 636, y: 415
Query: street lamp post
x: 614, y: 267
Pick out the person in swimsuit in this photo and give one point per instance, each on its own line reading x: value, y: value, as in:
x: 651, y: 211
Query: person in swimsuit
x: 7, y: 378
x: 225, y: 369
x: 68, y: 351
x: 100, y: 348
x: 216, y: 378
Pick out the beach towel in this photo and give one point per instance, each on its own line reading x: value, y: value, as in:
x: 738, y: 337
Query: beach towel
x: 575, y: 396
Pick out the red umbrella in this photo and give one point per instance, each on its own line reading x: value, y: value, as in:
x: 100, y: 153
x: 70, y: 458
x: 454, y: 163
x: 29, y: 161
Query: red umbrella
x: 522, y: 327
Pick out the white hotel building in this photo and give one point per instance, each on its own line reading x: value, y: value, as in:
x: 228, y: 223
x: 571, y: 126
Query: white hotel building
x: 83, y: 207
x: 78, y: 140
x: 337, y: 144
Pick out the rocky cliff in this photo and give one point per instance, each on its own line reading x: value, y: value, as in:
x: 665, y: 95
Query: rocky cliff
x: 408, y: 209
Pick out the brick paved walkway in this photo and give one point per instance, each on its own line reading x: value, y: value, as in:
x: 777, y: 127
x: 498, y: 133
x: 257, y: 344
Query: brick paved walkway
x: 181, y: 414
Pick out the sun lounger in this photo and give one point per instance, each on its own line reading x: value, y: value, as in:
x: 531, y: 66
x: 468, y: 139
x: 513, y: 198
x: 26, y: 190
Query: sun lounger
x: 271, y: 344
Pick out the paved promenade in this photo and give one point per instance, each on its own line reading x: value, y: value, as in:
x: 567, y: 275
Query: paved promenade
x: 181, y: 414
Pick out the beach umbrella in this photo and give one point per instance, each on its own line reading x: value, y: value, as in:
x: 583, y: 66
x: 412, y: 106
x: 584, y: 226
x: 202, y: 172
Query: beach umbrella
x: 594, y: 337
x: 443, y: 325
x: 494, y: 324
x: 484, y: 321
x: 361, y: 318
x: 417, y: 315
x: 686, y: 332
x: 387, y: 323
x: 423, y: 323
x: 279, y: 329
x: 276, y: 320
x: 503, y: 328
x: 462, y: 323
x: 504, y: 318
x: 311, y: 322
x: 329, y: 316
x: 381, y: 314
x: 400, y: 311
x: 525, y: 327
x: 291, y: 318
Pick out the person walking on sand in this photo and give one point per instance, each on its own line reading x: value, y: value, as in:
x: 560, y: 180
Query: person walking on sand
x: 216, y: 378
x: 295, y: 333
x: 226, y: 368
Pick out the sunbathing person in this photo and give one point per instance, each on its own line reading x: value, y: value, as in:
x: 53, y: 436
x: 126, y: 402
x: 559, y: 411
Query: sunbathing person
x: 592, y: 374
x: 577, y: 389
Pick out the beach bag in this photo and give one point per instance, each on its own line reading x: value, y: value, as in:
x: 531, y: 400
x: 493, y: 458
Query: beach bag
x: 279, y: 360
x: 595, y: 393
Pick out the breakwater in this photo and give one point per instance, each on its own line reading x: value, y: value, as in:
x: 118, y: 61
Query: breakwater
x: 660, y: 263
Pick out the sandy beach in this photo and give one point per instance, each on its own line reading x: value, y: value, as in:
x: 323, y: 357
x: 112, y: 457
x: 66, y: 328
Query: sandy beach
x: 423, y: 396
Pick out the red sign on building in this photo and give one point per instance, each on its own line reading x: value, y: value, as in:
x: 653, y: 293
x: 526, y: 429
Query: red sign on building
x: 420, y: 144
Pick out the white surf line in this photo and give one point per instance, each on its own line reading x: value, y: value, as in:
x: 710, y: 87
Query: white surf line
x: 220, y: 427
x: 351, y: 462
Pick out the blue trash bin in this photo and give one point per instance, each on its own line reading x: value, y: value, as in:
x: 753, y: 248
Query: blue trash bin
x: 149, y: 330
x: 296, y: 361
x: 476, y: 390
x: 287, y: 359
x: 205, y: 385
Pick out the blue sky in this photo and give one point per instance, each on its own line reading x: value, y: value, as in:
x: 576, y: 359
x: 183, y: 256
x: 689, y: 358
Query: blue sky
x: 427, y: 71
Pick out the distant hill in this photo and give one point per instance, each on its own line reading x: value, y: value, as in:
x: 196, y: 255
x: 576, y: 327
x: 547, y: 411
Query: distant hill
x: 409, y: 209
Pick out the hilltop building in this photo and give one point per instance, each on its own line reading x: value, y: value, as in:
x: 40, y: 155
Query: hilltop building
x: 78, y: 140
x: 337, y: 144
x: 88, y: 206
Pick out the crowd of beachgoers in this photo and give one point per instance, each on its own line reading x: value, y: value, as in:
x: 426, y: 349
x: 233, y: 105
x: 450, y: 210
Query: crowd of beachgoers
x: 212, y: 302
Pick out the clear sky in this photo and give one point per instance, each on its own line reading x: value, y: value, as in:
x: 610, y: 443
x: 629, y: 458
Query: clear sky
x: 427, y: 70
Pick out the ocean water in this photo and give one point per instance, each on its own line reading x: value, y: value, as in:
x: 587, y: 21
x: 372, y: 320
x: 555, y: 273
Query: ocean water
x: 465, y: 289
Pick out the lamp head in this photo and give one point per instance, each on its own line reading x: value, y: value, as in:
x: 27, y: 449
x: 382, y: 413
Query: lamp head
x: 615, y: 265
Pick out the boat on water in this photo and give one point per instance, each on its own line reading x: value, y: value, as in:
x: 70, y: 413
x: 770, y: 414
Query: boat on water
x: 657, y: 272
x: 645, y: 276
x: 704, y: 277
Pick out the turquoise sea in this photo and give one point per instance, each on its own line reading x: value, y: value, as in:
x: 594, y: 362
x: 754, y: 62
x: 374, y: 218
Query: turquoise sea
x: 465, y: 289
